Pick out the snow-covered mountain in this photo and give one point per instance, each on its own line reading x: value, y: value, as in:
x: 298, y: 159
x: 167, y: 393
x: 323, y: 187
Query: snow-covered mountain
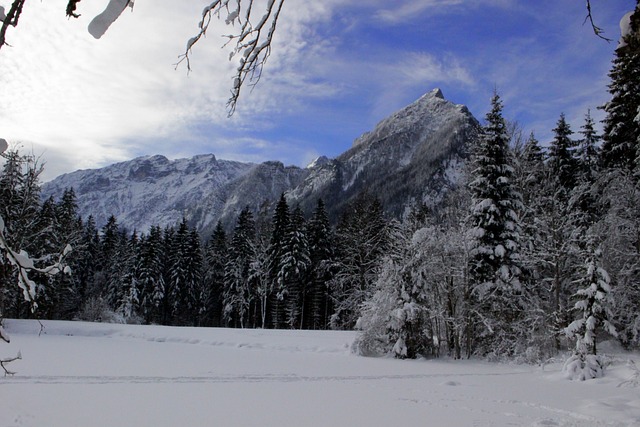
x: 413, y: 155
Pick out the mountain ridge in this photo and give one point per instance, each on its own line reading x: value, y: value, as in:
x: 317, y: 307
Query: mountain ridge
x: 413, y: 155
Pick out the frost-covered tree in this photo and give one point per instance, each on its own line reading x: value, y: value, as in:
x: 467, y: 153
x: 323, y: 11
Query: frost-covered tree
x: 185, y: 280
x: 293, y: 269
x: 394, y: 318
x: 593, y: 303
x: 593, y: 308
x: 214, y: 260
x: 321, y: 254
x: 619, y: 232
x: 562, y: 160
x: 149, y: 264
x: 362, y: 238
x: 128, y: 306
x: 17, y: 267
x: 238, y: 292
x: 277, y: 246
x: 495, y: 264
x: 583, y: 204
x: 621, y: 129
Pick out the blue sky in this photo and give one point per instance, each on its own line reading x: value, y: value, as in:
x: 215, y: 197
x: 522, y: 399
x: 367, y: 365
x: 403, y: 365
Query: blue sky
x: 337, y: 68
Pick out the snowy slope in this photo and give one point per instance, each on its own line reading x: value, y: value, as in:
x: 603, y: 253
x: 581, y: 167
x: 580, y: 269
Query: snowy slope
x: 82, y: 374
x: 152, y: 190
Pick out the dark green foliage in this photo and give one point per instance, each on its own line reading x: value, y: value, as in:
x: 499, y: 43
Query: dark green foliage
x: 361, y: 240
x: 621, y: 129
x: 321, y: 254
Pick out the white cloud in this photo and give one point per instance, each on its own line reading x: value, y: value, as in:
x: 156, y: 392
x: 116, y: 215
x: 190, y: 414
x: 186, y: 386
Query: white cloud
x: 91, y: 102
x: 404, y: 11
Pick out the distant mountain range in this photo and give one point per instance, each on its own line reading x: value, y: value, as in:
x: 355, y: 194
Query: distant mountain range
x: 415, y: 155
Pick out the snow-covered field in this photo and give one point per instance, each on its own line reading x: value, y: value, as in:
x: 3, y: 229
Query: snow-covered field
x: 83, y: 374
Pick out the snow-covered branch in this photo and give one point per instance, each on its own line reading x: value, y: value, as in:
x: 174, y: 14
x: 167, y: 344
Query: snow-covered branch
x: 251, y: 41
x: 25, y: 264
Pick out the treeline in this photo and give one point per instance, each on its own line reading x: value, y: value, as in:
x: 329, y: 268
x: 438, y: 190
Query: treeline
x: 275, y: 269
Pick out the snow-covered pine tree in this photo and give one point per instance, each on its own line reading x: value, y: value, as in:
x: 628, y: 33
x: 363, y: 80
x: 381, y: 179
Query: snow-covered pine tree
x: 277, y: 292
x: 583, y: 203
x: 619, y: 227
x: 621, y: 131
x: 150, y: 260
x: 562, y: 160
x: 48, y: 298
x: 238, y: 293
x: 214, y: 260
x: 593, y: 309
x: 129, y: 302
x: 619, y: 232
x: 293, y: 269
x: 19, y: 208
x: 321, y: 254
x: 70, y: 231
x: 85, y: 261
x: 395, y: 318
x: 186, y: 270
x: 557, y: 241
x: 259, y: 275
x: 495, y: 269
x: 194, y: 259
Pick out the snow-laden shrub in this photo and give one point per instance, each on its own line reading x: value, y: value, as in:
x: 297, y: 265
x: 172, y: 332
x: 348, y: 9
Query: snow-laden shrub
x: 582, y: 367
x: 97, y: 310
x: 393, y: 320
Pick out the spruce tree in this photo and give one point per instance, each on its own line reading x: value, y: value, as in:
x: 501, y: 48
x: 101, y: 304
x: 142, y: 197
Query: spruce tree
x: 562, y: 160
x: 278, y: 291
x: 621, y: 127
x: 593, y: 308
x: 215, y: 260
x: 293, y: 269
x: 495, y: 270
x: 238, y: 293
x: 152, y: 287
x: 321, y: 254
x: 584, y: 200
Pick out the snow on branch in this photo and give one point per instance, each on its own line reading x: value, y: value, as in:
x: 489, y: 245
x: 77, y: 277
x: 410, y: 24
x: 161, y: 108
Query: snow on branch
x: 101, y: 23
x: 252, y: 41
x: 25, y: 264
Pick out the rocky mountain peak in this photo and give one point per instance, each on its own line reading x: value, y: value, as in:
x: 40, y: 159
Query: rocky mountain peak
x: 429, y: 111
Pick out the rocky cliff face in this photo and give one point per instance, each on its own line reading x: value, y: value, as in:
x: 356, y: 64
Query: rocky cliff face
x: 413, y: 155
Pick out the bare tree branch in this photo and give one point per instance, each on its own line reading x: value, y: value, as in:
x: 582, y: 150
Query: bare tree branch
x: 11, y: 19
x: 251, y: 41
x: 71, y: 9
x: 12, y: 359
x: 597, y: 30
